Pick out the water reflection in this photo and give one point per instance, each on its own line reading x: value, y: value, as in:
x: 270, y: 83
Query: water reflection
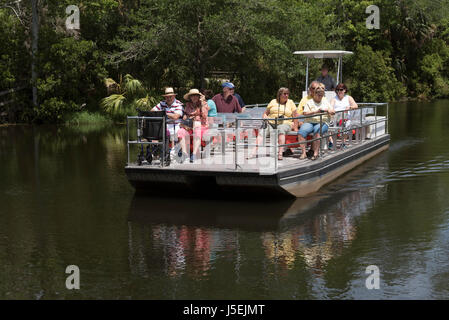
x: 191, y: 237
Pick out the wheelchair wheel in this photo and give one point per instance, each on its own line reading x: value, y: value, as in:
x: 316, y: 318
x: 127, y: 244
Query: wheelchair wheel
x: 149, y: 158
x: 140, y: 159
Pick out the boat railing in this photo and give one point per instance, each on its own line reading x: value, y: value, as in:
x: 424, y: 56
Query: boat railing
x: 361, y: 123
x: 357, y: 119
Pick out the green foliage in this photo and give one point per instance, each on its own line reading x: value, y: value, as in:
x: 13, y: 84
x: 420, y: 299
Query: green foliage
x: 114, y: 103
x: 53, y: 110
x: 128, y: 96
x: 86, y: 117
x: 198, y: 43
x: 434, y: 71
x: 372, y: 77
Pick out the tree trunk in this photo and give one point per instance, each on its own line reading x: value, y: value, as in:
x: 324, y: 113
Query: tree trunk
x: 34, y: 48
x: 202, y: 76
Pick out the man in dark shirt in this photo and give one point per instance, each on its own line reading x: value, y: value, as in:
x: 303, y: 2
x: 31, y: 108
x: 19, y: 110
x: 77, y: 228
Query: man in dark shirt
x: 226, y: 102
x: 235, y: 94
x: 326, y: 79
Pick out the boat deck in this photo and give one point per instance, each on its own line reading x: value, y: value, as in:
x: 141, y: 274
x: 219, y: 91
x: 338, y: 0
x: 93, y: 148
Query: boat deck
x: 262, y: 163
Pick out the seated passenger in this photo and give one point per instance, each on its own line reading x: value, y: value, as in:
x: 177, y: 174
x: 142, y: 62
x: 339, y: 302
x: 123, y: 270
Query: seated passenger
x: 197, y: 112
x: 342, y: 102
x: 310, y: 91
x: 315, y: 105
x: 208, y: 94
x: 239, y: 98
x: 281, y: 107
x: 226, y: 102
x: 174, y: 111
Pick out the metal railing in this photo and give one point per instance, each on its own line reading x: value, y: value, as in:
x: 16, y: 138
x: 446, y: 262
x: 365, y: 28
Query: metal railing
x: 333, y: 132
x: 357, y: 118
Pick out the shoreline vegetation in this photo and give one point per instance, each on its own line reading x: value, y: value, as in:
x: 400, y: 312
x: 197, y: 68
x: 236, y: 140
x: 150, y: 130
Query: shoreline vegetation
x: 125, y: 53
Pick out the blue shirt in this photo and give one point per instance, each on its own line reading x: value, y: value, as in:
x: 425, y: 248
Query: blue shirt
x: 213, y: 108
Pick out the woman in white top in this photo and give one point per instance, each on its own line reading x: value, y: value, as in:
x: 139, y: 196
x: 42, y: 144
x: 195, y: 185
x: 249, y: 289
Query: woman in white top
x: 342, y: 102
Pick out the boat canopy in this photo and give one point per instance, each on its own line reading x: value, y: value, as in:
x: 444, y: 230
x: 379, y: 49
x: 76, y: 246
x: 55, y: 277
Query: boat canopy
x: 322, y: 54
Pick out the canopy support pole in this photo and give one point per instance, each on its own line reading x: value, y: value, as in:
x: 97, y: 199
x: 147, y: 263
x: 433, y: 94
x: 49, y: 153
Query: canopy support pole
x: 307, y: 74
x: 338, y: 70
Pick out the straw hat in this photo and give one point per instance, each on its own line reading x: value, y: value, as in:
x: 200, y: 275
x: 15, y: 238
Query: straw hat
x: 192, y: 92
x: 169, y: 92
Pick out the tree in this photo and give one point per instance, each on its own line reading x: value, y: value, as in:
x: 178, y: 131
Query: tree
x: 125, y: 96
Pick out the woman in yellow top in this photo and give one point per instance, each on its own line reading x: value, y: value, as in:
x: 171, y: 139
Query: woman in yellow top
x: 281, y: 107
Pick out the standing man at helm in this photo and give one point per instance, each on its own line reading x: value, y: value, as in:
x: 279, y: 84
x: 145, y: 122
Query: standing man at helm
x: 326, y: 79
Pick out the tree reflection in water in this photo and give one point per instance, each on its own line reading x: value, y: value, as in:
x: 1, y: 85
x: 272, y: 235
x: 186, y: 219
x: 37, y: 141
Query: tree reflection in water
x: 192, y: 237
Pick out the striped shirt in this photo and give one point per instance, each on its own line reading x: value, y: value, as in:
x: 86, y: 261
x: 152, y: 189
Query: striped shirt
x: 175, y: 108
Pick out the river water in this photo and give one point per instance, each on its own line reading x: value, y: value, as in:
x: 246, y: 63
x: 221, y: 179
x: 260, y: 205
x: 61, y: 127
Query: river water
x: 65, y: 200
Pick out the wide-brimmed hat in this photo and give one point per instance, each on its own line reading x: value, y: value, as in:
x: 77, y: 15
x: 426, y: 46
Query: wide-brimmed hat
x: 169, y: 92
x: 192, y: 92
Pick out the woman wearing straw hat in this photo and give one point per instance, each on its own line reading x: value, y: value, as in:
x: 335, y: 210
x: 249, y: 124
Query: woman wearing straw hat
x: 196, y: 111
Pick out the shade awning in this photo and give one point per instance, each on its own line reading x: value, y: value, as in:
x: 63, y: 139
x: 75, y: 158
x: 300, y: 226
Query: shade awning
x: 323, y: 54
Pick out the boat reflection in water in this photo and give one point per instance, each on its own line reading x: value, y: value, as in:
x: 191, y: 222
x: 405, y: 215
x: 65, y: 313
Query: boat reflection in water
x: 195, y: 237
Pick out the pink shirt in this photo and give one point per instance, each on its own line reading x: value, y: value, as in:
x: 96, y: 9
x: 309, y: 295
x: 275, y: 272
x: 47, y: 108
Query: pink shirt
x: 230, y: 105
x: 197, y: 114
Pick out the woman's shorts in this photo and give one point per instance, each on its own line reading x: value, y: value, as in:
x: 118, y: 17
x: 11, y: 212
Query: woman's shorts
x: 283, y: 129
x: 197, y: 132
x: 308, y: 127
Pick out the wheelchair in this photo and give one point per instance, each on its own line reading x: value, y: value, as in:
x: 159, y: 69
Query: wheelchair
x: 150, y: 130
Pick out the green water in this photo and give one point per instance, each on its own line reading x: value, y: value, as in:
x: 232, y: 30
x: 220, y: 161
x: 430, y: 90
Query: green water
x: 65, y: 200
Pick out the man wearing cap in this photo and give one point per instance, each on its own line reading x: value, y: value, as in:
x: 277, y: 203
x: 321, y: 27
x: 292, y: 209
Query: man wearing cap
x: 226, y: 102
x: 326, y: 79
x: 174, y: 111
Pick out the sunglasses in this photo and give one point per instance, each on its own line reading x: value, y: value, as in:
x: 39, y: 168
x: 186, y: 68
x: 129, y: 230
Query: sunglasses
x: 340, y: 89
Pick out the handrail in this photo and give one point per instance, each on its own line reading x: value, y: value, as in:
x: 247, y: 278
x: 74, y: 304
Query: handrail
x: 327, y: 135
x: 357, y: 123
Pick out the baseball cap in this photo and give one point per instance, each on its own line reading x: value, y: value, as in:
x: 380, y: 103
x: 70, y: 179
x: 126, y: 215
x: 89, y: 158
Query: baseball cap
x: 228, y: 85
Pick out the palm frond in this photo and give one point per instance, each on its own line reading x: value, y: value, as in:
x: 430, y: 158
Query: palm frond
x: 146, y: 103
x: 132, y: 86
x: 113, y: 103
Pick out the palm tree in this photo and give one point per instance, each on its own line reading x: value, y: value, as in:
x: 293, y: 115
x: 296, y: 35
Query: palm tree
x: 127, y: 93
